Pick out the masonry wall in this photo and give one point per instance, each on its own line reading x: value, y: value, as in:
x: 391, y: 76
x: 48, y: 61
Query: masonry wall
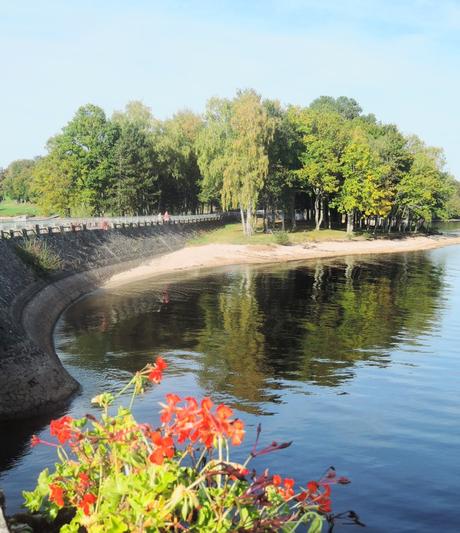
x: 32, y: 378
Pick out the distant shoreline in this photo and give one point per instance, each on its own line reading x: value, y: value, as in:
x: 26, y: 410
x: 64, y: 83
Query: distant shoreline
x: 216, y: 255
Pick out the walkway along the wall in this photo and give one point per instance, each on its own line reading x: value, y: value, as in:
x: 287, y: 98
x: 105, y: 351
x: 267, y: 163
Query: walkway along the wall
x: 32, y: 378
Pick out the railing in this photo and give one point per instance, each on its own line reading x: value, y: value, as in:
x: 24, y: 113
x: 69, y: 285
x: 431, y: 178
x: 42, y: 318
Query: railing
x: 24, y: 228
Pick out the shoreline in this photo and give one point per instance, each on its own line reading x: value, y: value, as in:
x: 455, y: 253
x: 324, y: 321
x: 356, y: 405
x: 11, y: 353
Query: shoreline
x: 218, y: 255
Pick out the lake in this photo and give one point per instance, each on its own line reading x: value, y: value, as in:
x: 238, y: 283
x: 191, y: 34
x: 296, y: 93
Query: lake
x: 355, y: 359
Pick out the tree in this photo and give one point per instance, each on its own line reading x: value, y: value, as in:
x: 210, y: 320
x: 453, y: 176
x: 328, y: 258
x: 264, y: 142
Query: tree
x: 134, y: 181
x: 180, y: 174
x: 453, y: 204
x: 424, y: 191
x: 87, y: 143
x: 363, y: 185
x: 247, y: 168
x: 324, y: 137
x: 52, y: 185
x: 283, y: 157
x: 17, y: 178
x: 233, y: 152
x: 346, y: 107
x: 212, y: 146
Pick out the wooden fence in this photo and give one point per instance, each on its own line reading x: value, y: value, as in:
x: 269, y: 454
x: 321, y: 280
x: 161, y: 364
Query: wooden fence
x: 53, y: 226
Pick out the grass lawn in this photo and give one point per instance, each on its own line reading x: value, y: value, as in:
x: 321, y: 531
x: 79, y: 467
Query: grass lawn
x: 233, y: 234
x: 10, y: 208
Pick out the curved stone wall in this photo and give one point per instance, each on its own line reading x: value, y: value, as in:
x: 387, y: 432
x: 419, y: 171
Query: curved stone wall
x: 32, y: 378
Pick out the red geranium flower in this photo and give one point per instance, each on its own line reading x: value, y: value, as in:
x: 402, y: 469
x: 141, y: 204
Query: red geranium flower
x: 62, y: 429
x: 86, y: 501
x: 56, y: 494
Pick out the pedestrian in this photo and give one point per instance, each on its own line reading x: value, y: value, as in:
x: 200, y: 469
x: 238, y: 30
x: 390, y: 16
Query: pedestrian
x: 159, y: 218
x: 166, y: 217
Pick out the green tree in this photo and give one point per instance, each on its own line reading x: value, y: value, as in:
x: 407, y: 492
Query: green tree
x: 87, y: 144
x: 453, y: 204
x: 212, y: 147
x: 283, y: 157
x: 134, y: 180
x: 52, y: 185
x: 348, y: 108
x: 363, y: 185
x: 17, y: 178
x: 247, y: 166
x: 324, y: 138
x: 233, y: 153
x: 180, y: 176
x: 423, y: 193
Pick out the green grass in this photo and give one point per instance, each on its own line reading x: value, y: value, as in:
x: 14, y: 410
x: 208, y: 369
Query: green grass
x: 10, y: 208
x: 233, y: 234
x: 35, y: 253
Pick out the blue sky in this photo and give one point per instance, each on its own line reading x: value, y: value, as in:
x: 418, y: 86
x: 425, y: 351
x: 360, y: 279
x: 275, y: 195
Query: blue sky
x: 399, y: 59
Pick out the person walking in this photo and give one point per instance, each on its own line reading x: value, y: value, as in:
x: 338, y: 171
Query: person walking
x: 166, y: 217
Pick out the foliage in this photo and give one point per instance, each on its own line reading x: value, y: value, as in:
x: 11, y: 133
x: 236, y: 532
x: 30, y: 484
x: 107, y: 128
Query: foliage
x: 327, y: 160
x: 348, y: 108
x: 453, y: 204
x: 282, y: 238
x: 16, y: 180
x: 119, y: 475
x: 133, y: 187
x: 36, y: 253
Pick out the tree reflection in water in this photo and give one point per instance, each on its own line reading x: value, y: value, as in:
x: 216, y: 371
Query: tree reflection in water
x: 248, y: 331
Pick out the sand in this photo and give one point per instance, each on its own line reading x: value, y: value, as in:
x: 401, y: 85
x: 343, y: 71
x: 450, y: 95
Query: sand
x: 217, y: 255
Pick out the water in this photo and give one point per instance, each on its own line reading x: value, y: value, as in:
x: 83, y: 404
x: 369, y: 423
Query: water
x: 354, y: 359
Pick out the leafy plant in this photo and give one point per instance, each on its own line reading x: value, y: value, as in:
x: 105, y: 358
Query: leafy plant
x: 282, y: 238
x: 118, y: 475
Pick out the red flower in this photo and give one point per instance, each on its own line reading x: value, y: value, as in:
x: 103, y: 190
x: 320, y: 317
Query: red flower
x: 164, y: 447
x: 56, y: 494
x: 62, y: 429
x: 84, y: 480
x: 223, y: 412
x: 237, y: 432
x: 86, y: 501
x: 198, y: 422
x: 156, y: 372
x: 276, y: 480
x: 302, y: 496
x: 161, y: 364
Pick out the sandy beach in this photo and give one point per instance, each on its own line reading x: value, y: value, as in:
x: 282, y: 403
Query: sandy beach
x: 216, y: 255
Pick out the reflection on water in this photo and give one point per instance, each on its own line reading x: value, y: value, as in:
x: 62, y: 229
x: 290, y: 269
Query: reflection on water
x: 247, y: 329
x: 355, y: 359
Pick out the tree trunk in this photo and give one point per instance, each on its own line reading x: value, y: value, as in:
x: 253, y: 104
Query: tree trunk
x: 249, y: 228
x: 350, y: 222
x: 243, y: 221
x: 293, y: 223
x: 319, y: 213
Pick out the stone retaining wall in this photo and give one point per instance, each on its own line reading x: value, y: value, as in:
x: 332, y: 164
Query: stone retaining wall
x: 32, y: 378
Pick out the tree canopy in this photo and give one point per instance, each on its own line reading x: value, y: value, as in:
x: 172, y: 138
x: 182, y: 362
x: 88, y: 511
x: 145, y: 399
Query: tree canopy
x: 327, y: 160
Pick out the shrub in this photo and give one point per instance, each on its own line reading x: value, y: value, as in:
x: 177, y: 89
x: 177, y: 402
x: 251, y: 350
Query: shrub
x: 35, y: 252
x: 282, y: 238
x: 115, y: 474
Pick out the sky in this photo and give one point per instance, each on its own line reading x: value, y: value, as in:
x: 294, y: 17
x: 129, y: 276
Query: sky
x: 399, y: 59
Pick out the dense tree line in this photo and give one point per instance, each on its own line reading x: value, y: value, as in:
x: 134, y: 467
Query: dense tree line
x: 328, y: 161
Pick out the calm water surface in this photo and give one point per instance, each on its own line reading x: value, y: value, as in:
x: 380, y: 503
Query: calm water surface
x: 356, y: 360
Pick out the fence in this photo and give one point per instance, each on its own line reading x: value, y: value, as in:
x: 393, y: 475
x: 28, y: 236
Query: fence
x: 24, y: 228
